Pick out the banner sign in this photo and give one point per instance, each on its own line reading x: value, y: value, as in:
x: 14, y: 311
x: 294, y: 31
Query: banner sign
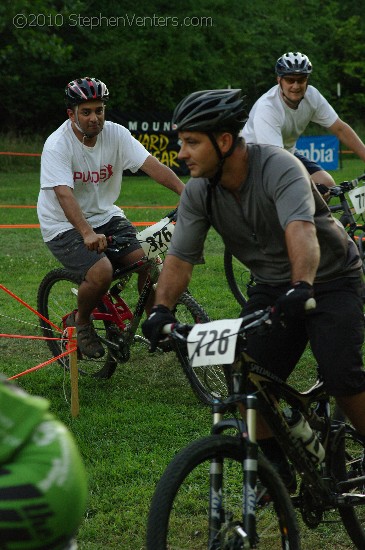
x: 320, y: 149
x: 153, y: 130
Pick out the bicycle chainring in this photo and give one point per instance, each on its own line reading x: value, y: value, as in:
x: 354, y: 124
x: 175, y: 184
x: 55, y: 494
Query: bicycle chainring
x: 311, y: 514
x: 118, y: 345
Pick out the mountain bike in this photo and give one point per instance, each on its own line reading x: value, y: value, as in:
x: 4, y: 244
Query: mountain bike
x: 117, y: 323
x: 220, y: 493
x: 355, y: 227
x: 240, y: 278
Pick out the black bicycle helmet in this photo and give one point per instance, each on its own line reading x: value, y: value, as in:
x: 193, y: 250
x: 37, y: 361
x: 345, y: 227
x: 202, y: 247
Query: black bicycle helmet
x: 210, y: 110
x: 85, y: 89
x: 293, y: 63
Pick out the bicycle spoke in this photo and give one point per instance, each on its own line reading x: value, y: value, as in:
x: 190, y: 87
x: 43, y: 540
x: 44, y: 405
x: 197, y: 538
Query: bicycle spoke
x: 180, y: 507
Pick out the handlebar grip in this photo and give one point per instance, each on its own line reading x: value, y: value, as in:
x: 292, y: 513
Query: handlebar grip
x: 310, y: 304
x: 172, y: 215
x: 323, y: 189
x: 167, y: 329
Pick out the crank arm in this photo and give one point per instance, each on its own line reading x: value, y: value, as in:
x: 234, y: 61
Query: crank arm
x: 110, y: 345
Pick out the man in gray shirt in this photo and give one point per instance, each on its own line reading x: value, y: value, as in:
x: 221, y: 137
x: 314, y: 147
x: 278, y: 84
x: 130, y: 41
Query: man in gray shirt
x: 263, y: 203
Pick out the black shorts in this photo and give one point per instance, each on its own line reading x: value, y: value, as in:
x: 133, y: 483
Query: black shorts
x: 334, y: 329
x: 70, y: 251
x: 310, y: 166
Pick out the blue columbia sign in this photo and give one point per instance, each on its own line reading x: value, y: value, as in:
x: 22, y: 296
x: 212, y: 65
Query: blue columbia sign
x: 320, y: 149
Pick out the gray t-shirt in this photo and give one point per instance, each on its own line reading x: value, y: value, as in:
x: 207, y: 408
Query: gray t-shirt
x: 277, y: 190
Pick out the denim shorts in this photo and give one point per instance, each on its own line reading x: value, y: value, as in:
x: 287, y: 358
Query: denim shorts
x: 70, y: 251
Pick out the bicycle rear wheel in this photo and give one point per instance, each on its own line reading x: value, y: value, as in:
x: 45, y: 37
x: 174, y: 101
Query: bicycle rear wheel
x: 57, y: 298
x: 348, y: 464
x: 238, y: 276
x: 208, y: 383
x: 178, y: 517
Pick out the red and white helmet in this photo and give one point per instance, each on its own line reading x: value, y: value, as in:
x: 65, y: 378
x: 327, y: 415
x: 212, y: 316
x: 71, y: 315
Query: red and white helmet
x: 85, y: 89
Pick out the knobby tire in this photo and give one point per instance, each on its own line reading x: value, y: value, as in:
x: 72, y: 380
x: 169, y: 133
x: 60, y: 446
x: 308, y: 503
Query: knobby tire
x: 237, y: 281
x: 348, y: 463
x: 178, y: 517
x: 208, y: 382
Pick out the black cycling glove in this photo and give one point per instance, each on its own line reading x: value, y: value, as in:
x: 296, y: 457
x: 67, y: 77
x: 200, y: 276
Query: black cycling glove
x: 297, y: 300
x: 160, y: 316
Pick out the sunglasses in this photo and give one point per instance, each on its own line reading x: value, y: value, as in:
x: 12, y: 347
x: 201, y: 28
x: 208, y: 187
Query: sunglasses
x: 293, y: 79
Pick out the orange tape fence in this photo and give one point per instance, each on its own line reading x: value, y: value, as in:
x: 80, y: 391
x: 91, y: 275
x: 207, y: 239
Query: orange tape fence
x: 71, y: 350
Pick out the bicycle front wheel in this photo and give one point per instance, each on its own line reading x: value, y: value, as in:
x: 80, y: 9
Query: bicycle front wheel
x: 239, y: 277
x: 208, y: 383
x: 349, y: 467
x: 184, y: 503
x: 57, y: 298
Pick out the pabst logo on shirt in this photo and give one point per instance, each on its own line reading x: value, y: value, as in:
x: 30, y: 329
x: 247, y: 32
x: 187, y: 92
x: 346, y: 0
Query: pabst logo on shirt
x: 103, y: 175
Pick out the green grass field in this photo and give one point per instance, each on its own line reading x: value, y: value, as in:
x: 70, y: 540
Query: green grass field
x: 130, y: 426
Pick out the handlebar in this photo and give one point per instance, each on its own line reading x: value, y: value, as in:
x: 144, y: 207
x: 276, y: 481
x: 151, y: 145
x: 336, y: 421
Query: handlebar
x: 250, y: 323
x: 345, y: 186
x: 172, y: 215
x: 116, y: 243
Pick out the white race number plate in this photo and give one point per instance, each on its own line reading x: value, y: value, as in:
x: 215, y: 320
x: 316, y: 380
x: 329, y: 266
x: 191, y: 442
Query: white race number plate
x: 213, y: 343
x: 357, y: 197
x: 155, y: 239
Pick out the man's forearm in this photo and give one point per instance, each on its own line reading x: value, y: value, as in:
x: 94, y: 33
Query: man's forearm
x: 162, y: 174
x: 349, y: 137
x: 173, y: 281
x: 72, y: 210
x: 303, y: 250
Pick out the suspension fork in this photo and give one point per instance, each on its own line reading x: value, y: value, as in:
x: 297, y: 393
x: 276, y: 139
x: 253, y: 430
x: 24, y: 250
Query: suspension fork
x: 216, y: 488
x: 216, y: 511
x: 250, y: 470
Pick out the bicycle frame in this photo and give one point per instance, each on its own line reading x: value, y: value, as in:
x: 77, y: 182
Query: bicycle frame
x: 118, y: 311
x: 268, y: 395
x: 265, y: 400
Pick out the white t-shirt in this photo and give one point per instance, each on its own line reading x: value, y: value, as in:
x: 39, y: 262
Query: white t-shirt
x: 94, y: 173
x: 271, y: 121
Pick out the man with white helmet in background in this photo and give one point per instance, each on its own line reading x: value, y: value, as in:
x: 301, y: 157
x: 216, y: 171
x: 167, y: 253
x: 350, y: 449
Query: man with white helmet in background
x: 281, y: 115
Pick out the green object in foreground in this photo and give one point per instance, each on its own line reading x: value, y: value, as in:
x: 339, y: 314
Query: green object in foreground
x: 43, y: 488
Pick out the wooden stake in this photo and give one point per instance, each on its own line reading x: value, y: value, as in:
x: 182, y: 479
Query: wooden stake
x: 74, y: 374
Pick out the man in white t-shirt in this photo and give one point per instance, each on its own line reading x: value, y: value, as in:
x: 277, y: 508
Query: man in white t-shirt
x: 82, y: 166
x: 281, y: 115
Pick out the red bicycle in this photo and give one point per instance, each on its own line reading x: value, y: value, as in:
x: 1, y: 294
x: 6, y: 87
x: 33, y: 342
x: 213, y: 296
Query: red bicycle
x: 117, y: 323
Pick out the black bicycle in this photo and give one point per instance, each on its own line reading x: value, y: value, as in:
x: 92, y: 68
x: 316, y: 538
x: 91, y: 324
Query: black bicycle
x: 117, y: 323
x: 355, y: 226
x: 240, y: 278
x: 220, y: 493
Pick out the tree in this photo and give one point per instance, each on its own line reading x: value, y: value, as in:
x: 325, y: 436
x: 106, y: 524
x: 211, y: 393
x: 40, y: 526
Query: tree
x: 153, y: 54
